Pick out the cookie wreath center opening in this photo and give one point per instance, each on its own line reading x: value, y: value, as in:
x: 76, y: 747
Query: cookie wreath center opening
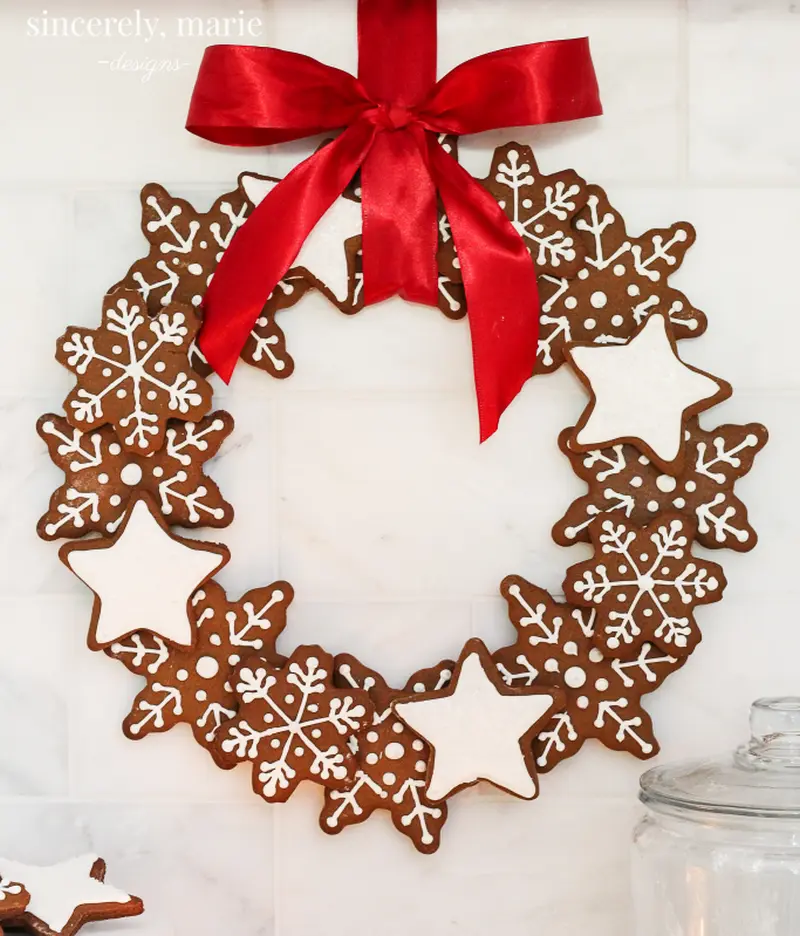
x: 374, y: 500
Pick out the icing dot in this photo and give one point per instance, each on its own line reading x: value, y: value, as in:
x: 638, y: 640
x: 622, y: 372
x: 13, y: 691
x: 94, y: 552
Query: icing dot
x: 131, y: 474
x: 420, y: 766
x: 666, y: 483
x: 207, y: 667
x: 636, y: 482
x: 195, y: 269
x: 141, y: 345
x: 551, y: 665
x: 114, y: 448
x: 595, y: 655
x: 398, y: 727
x: 316, y: 733
x: 158, y: 471
x: 652, y: 506
x: 583, y: 702
x: 182, y: 674
x: 394, y: 751
x: 598, y: 300
x: 115, y: 500
x: 389, y: 779
x: 601, y: 685
x: 583, y: 274
x: 159, y: 367
x: 623, y: 568
x: 288, y: 698
x: 371, y: 758
x: 203, y: 245
x: 633, y: 290
x: 103, y: 478
x: 644, y: 460
x: 372, y: 737
x: 233, y: 659
x: 201, y: 695
x: 589, y: 323
x: 107, y: 372
x: 215, y: 639
x: 619, y: 270
x: 679, y: 502
x: 648, y: 612
x: 570, y: 302
x: 690, y: 486
x: 196, y: 300
x: 418, y: 745
x: 299, y: 751
x: 152, y: 395
x: 275, y: 743
x: 575, y: 677
x: 117, y: 349
x: 617, y: 320
x: 121, y: 393
x: 571, y: 648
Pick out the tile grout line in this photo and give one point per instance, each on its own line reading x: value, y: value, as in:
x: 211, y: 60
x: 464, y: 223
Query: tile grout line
x: 684, y: 90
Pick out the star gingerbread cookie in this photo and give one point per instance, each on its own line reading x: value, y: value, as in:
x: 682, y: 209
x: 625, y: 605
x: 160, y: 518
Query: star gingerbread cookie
x: 478, y: 728
x: 392, y: 762
x: 144, y: 577
x: 61, y: 898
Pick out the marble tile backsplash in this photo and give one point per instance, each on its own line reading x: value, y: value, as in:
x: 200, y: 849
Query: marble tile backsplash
x: 360, y: 479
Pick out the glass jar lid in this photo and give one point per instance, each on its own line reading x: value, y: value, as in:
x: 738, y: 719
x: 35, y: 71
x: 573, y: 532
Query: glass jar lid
x: 761, y: 778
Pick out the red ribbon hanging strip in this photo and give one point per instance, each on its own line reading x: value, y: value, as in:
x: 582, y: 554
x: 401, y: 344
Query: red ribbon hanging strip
x: 391, y: 115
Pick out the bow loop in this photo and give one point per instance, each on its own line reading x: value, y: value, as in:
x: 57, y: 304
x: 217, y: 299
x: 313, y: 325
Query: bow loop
x: 249, y: 96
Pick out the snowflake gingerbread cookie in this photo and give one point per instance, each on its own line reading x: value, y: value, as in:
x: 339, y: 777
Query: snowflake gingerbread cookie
x: 293, y: 724
x: 602, y: 695
x: 645, y: 584
x: 194, y: 686
x: 133, y: 372
x: 392, y: 762
x: 101, y: 477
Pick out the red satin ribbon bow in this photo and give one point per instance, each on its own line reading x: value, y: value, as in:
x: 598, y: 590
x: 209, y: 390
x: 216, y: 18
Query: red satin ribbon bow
x: 252, y: 96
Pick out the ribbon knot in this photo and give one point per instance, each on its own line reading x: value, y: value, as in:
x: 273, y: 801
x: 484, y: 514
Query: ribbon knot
x: 394, y: 116
x: 253, y: 96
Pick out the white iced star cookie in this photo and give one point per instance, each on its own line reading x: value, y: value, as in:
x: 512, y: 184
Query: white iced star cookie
x: 65, y: 896
x: 479, y: 729
x: 642, y: 394
x: 144, y: 578
x: 323, y: 255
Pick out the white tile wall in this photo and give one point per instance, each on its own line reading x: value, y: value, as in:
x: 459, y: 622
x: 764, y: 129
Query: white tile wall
x: 360, y: 479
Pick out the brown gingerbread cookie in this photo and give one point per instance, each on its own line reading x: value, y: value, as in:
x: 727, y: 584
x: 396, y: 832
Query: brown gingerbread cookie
x: 602, y: 695
x: 540, y: 207
x: 65, y: 896
x: 186, y: 246
x: 478, y: 728
x: 644, y: 584
x: 293, y: 724
x: 392, y: 760
x: 194, y: 686
x: 133, y: 372
x: 642, y: 393
x: 100, y: 477
x: 626, y: 484
x: 624, y: 280
x: 143, y: 578
x: 14, y: 900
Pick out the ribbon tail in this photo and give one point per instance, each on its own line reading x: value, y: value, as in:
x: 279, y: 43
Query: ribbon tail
x: 268, y: 244
x: 500, y: 286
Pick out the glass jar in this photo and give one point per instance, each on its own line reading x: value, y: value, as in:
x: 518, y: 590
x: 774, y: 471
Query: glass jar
x: 718, y: 851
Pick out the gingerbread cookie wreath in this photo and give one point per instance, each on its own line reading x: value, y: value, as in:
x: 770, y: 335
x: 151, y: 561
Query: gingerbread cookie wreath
x: 138, y: 429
